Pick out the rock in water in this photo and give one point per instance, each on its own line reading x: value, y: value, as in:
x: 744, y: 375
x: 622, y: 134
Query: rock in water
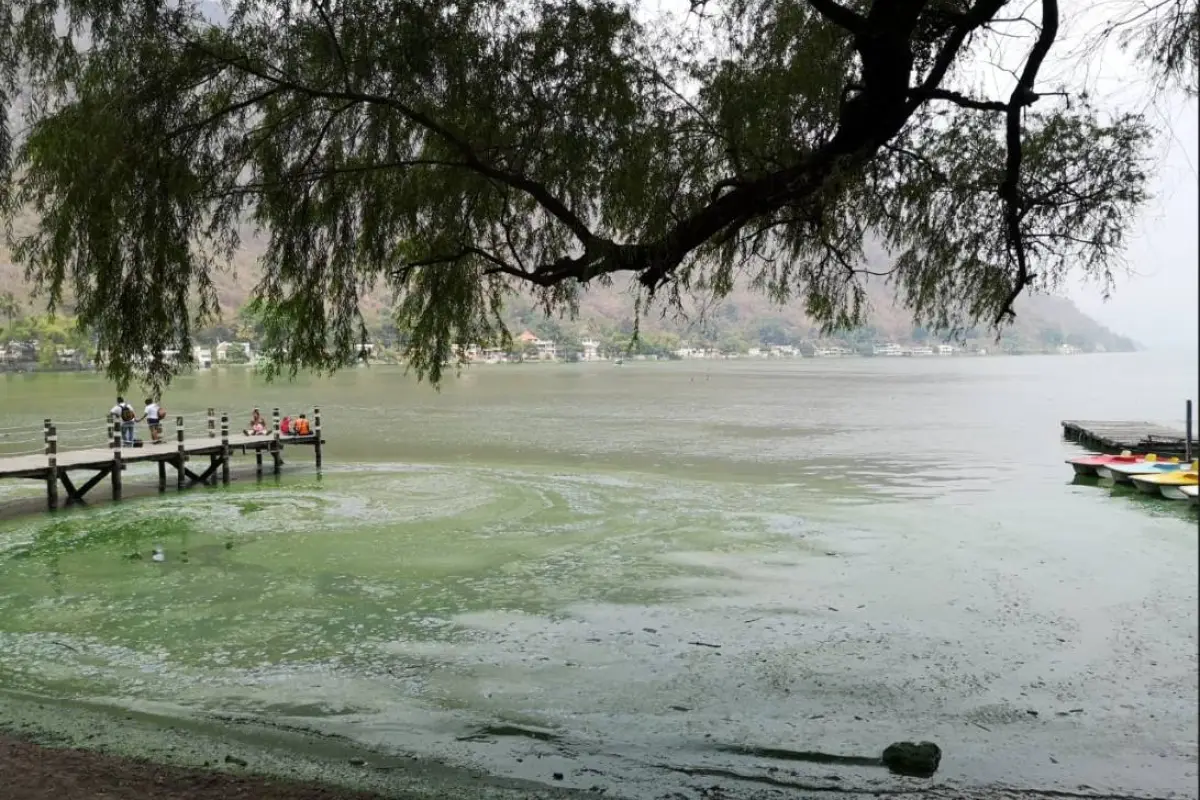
x: 908, y: 758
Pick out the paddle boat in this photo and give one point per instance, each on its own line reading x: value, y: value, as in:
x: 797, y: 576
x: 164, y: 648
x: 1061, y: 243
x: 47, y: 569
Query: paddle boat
x: 1123, y: 473
x: 1087, y: 465
x: 1192, y: 493
x: 1168, y: 484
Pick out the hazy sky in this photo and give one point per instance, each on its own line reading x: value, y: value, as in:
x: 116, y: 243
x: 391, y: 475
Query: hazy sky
x: 1156, y: 303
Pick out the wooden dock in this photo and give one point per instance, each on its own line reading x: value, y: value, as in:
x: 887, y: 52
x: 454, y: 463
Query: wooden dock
x: 1114, y: 436
x: 184, y: 454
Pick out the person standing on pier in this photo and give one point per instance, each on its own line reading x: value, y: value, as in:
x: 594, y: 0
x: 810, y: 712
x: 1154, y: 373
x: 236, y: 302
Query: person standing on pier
x: 124, y: 412
x: 153, y: 417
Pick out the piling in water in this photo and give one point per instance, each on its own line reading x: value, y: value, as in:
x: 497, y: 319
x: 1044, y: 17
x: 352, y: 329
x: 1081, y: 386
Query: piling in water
x: 52, y: 465
x: 224, y: 448
x: 1187, y: 441
x: 317, y: 434
x: 117, y: 465
x: 182, y: 451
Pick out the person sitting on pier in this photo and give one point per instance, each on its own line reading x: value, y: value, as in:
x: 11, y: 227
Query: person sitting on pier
x: 301, y: 427
x: 153, y: 417
x: 128, y: 417
x: 257, y: 426
x: 285, y: 426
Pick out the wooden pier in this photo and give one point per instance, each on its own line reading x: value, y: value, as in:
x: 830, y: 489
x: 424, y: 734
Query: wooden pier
x: 181, y: 453
x: 1137, y: 437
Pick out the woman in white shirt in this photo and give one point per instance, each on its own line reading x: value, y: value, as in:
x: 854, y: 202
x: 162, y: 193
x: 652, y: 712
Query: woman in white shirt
x: 153, y: 417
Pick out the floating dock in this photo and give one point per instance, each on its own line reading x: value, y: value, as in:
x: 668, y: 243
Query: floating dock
x: 179, y: 453
x: 1113, y: 436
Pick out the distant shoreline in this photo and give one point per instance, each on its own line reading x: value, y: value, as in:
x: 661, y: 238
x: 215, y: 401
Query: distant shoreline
x: 25, y: 368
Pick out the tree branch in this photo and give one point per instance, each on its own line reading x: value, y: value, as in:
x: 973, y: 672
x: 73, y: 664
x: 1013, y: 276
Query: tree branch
x: 977, y: 16
x: 453, y: 258
x: 933, y: 168
x: 958, y: 99
x: 337, y: 46
x: 471, y: 159
x: 1022, y: 95
x: 232, y: 108
x: 839, y: 15
x: 317, y: 176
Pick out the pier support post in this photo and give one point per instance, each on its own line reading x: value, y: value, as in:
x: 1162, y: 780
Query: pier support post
x: 181, y: 452
x: 212, y: 423
x: 317, y: 433
x: 117, y: 465
x: 258, y: 462
x: 275, y: 447
x: 1187, y: 434
x: 162, y: 476
x: 52, y: 465
x: 225, y: 448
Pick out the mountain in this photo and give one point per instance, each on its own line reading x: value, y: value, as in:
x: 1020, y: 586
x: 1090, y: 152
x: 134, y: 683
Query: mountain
x: 743, y: 319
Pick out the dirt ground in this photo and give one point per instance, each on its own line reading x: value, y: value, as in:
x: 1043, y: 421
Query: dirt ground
x: 30, y: 772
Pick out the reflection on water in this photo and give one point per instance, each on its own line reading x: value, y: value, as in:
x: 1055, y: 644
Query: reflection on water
x: 654, y: 562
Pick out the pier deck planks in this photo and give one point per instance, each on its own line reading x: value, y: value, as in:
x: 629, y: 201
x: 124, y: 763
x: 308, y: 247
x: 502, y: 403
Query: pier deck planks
x: 1113, y: 436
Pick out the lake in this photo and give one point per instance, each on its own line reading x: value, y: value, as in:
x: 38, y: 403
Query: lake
x: 614, y: 572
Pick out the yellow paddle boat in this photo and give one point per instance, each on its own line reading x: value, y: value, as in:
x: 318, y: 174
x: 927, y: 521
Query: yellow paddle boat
x: 1192, y: 493
x: 1169, y: 484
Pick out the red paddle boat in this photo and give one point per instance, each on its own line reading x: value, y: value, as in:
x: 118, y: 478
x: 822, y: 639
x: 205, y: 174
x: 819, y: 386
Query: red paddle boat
x: 1086, y: 465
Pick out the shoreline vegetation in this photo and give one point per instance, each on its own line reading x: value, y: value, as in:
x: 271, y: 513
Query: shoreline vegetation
x: 31, y: 342
x: 390, y: 358
x: 55, y: 344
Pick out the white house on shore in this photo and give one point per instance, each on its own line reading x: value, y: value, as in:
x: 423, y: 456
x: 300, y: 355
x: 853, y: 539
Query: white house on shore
x: 546, y: 349
x: 695, y: 352
x: 223, y: 349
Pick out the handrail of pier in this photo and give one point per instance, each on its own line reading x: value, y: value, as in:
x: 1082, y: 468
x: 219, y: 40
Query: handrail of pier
x: 85, y: 434
x: 102, y: 450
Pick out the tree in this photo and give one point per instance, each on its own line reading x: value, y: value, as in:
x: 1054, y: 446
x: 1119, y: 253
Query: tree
x: 732, y: 343
x: 568, y: 344
x: 460, y: 151
x: 236, y: 355
x: 11, y: 309
x: 1165, y: 35
x: 774, y: 332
